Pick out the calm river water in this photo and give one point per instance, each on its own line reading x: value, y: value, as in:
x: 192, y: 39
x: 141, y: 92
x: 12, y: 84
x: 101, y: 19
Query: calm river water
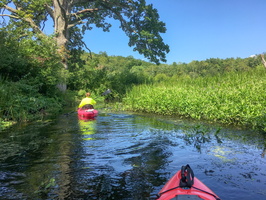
x: 127, y: 156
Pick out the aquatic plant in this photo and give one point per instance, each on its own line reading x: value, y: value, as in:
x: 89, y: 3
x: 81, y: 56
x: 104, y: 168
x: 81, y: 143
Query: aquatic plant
x: 233, y: 98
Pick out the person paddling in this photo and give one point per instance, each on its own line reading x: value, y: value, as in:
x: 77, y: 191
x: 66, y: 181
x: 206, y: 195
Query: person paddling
x: 87, y: 102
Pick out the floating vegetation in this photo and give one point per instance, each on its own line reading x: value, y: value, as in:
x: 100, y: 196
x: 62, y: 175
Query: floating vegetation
x: 222, y: 153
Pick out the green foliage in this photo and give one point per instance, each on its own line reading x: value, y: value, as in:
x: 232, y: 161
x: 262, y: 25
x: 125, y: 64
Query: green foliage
x: 145, y: 32
x: 33, y: 60
x: 234, y: 98
x: 97, y: 72
x: 29, y: 72
x: 161, y: 77
x: 102, y: 72
x: 138, y: 20
x: 11, y: 63
x: 213, y: 67
x: 20, y: 102
x: 215, y: 89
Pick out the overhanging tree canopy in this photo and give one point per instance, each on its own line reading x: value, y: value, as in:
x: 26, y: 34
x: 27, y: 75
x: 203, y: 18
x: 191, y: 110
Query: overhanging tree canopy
x: 71, y: 18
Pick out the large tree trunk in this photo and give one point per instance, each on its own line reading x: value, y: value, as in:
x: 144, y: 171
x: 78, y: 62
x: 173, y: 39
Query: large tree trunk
x: 61, y: 11
x: 263, y: 60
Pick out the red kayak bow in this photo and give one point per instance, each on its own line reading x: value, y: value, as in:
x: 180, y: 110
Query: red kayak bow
x: 183, y: 185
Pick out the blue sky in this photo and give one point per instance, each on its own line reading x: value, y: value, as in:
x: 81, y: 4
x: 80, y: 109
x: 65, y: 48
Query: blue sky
x: 197, y: 30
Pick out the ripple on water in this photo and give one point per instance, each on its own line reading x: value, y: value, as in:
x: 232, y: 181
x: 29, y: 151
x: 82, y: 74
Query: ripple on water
x: 121, y: 156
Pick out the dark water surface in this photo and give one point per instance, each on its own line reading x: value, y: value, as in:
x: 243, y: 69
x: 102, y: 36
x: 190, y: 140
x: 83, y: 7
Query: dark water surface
x: 124, y: 156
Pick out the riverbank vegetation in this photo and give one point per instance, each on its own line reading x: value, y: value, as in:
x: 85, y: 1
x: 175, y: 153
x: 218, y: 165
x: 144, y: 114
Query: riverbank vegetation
x: 29, y: 72
x: 229, y: 91
x: 236, y: 98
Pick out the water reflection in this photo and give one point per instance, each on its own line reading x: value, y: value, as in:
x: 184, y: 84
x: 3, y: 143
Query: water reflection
x: 126, y: 159
x: 87, y: 127
x: 263, y: 152
x: 121, y: 156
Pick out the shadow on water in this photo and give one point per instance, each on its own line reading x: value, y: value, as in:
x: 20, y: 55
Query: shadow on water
x: 124, y: 156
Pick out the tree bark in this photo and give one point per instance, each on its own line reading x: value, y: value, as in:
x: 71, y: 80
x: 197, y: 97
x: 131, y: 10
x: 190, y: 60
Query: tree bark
x: 263, y: 60
x: 61, y: 11
x: 62, y: 8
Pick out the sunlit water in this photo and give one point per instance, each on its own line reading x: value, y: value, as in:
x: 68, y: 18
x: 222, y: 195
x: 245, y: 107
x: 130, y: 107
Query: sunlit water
x: 124, y: 156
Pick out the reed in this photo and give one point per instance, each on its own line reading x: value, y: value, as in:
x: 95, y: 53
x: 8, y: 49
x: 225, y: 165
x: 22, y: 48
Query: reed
x: 233, y: 98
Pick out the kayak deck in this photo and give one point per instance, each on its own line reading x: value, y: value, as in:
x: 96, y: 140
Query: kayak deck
x: 186, y: 197
x: 194, y: 190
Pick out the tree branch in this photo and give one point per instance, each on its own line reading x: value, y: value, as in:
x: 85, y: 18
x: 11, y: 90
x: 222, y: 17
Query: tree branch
x: 10, y: 16
x: 10, y: 9
x: 87, y: 48
x: 34, y: 26
x: 50, y: 11
x: 63, y: 11
x: 121, y: 19
x: 70, y: 25
x: 26, y: 19
x: 84, y: 13
x: 87, y: 10
x: 74, y: 2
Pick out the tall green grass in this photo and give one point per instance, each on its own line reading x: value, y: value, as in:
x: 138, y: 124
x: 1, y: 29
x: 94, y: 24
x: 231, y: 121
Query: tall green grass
x: 233, y: 98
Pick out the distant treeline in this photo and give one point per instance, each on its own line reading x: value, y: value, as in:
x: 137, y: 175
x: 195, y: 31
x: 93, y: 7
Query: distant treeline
x: 120, y: 73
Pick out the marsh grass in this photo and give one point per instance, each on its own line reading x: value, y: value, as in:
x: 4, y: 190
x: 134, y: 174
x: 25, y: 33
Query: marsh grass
x: 233, y: 98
